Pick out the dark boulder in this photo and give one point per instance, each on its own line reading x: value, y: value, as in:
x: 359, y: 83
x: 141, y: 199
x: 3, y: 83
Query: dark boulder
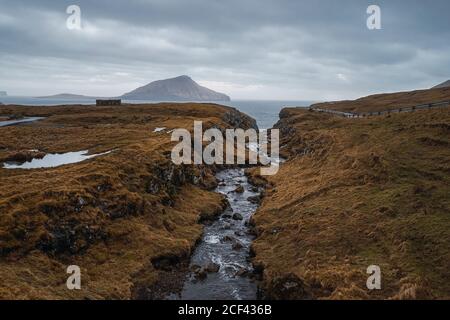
x: 237, y: 245
x: 287, y: 287
x: 237, y: 216
x: 212, y: 267
x: 254, y: 199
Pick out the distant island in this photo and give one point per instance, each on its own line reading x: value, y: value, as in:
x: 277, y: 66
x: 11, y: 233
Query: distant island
x: 445, y: 84
x: 67, y: 96
x: 3, y: 94
x: 181, y: 88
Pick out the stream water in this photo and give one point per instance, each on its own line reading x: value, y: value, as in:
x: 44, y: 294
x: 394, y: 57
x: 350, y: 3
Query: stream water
x: 226, y: 243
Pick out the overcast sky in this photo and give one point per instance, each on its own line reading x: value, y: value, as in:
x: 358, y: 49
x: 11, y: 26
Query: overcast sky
x: 249, y: 49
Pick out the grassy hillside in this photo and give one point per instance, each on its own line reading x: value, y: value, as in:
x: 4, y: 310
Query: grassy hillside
x: 119, y: 216
x: 387, y: 101
x: 354, y: 193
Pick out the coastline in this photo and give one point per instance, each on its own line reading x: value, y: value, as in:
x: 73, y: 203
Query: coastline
x: 328, y: 158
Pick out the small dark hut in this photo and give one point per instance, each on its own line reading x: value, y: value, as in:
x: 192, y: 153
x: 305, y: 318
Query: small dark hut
x: 108, y: 102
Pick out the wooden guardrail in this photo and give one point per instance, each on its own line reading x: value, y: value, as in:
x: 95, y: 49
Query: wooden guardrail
x: 427, y: 106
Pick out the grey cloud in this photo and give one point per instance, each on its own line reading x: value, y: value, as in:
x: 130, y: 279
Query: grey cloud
x: 289, y: 49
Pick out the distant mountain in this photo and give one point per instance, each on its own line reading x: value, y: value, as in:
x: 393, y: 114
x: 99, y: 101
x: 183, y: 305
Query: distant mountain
x: 445, y: 84
x: 3, y: 94
x: 67, y: 96
x: 181, y: 88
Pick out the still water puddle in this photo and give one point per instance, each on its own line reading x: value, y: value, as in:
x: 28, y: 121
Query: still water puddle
x: 159, y: 129
x: 53, y: 160
x: 19, y: 121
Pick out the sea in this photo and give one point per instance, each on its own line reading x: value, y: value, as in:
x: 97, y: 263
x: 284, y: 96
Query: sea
x: 265, y: 112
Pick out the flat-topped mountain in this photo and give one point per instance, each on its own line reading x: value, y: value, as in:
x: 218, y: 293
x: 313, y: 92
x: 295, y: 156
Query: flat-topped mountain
x: 445, y: 84
x: 181, y: 88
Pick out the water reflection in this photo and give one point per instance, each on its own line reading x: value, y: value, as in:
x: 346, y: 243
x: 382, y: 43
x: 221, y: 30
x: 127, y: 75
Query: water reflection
x: 19, y: 121
x: 53, y: 160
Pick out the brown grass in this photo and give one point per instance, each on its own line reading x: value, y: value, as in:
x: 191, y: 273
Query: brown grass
x: 357, y: 192
x: 110, y: 215
x: 387, y: 101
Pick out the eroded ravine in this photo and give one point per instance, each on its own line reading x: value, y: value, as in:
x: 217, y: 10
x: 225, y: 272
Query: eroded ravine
x: 220, y: 267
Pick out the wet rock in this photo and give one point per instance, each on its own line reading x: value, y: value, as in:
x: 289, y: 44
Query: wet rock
x: 252, y: 232
x: 254, y: 199
x: 168, y: 262
x: 201, y: 274
x: 227, y: 226
x: 250, y: 223
x: 242, y: 272
x: 207, y: 217
x: 258, y: 270
x: 227, y: 239
x: 237, y: 216
x: 288, y: 287
x: 195, y: 268
x: 239, y: 189
x: 237, y: 246
x: 239, y: 233
x: 212, y: 268
x: 251, y: 252
x: 227, y: 216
